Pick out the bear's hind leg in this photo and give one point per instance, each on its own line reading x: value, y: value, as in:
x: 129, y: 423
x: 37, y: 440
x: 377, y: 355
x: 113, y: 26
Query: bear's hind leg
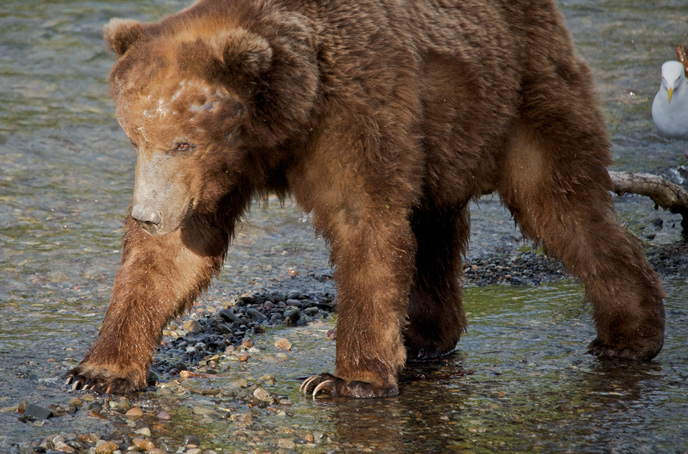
x: 159, y: 277
x: 436, y: 318
x: 557, y: 188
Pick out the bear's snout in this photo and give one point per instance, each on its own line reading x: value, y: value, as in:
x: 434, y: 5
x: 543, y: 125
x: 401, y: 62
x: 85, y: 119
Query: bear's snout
x: 148, y: 218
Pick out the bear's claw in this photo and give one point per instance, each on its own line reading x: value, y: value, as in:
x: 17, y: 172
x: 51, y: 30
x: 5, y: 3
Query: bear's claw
x: 85, y: 381
x: 328, y: 384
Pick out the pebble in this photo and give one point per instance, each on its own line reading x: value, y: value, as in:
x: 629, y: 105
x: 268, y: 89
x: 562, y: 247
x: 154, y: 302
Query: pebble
x: 144, y: 444
x: 283, y: 344
x: 37, y: 412
x: 312, y: 311
x: 230, y: 316
x: 63, y: 447
x: 286, y: 443
x: 262, y: 395
x: 239, y: 383
x: 199, y: 410
x: 163, y: 415
x: 134, y: 412
x: 124, y: 404
x: 106, y: 447
x: 145, y: 431
x: 256, y: 314
x: 192, y: 441
x: 291, y: 316
x: 192, y: 326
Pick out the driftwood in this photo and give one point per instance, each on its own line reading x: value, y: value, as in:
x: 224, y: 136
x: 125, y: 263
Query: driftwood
x: 664, y: 193
x: 682, y: 55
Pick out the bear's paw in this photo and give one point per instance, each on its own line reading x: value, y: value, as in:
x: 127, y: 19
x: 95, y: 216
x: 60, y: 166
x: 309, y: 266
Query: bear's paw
x: 328, y: 384
x: 104, y: 379
x: 643, y: 349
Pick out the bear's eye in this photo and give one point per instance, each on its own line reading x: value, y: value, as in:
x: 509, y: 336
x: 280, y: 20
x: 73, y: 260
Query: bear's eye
x: 183, y: 147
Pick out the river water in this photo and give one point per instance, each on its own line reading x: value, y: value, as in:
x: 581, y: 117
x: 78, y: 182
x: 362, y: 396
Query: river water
x: 520, y: 381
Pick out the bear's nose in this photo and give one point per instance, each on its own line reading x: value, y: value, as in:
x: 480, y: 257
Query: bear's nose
x: 148, y: 218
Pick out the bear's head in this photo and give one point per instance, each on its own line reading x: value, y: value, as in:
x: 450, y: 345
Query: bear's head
x: 208, y: 102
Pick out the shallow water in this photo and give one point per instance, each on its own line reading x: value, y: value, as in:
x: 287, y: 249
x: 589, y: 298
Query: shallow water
x: 520, y: 379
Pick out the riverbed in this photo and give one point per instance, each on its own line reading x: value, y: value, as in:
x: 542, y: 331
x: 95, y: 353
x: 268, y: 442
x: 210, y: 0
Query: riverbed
x: 520, y: 380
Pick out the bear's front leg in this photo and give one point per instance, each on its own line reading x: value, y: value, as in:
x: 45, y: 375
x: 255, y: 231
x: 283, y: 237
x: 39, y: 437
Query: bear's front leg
x: 373, y: 251
x: 158, y: 278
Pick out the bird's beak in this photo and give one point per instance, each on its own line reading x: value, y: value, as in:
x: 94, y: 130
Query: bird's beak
x: 671, y: 91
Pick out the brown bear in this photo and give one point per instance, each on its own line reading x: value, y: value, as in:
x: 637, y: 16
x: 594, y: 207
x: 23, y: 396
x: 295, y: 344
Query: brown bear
x: 384, y: 119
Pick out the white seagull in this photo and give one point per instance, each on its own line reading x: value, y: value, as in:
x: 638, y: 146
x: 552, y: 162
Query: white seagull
x: 670, y: 107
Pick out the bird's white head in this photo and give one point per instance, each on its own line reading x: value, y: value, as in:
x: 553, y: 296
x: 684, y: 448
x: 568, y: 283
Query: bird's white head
x: 673, y: 76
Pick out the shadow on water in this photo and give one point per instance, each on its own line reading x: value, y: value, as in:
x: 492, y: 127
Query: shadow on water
x: 520, y: 379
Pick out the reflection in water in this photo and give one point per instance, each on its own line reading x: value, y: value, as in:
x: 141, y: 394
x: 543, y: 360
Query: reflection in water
x: 519, y: 384
x: 427, y: 413
x: 425, y: 417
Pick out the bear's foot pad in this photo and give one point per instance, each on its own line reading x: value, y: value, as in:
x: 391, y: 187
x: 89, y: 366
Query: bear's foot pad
x: 329, y: 385
x: 636, y: 353
x: 103, y: 382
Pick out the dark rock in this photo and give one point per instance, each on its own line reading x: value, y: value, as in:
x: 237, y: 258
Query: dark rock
x: 291, y: 316
x: 311, y: 310
x: 180, y: 366
x: 35, y: 412
x: 192, y: 440
x: 230, y: 316
x: 293, y: 295
x: 244, y: 300
x: 255, y: 314
x: 293, y: 302
x: 224, y: 328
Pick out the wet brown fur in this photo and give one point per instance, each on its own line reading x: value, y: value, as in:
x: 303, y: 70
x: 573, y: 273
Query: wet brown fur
x: 384, y: 119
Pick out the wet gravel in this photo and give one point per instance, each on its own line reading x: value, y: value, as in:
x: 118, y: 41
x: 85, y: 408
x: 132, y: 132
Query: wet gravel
x: 208, y: 343
x: 195, y: 346
x: 212, y: 340
x: 229, y: 331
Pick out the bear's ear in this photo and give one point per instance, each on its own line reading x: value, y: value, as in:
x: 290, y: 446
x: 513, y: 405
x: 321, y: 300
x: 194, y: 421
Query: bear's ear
x: 120, y: 34
x: 245, y: 53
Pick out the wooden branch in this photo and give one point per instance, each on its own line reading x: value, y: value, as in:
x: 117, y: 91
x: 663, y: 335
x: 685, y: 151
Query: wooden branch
x: 682, y: 55
x: 664, y: 193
